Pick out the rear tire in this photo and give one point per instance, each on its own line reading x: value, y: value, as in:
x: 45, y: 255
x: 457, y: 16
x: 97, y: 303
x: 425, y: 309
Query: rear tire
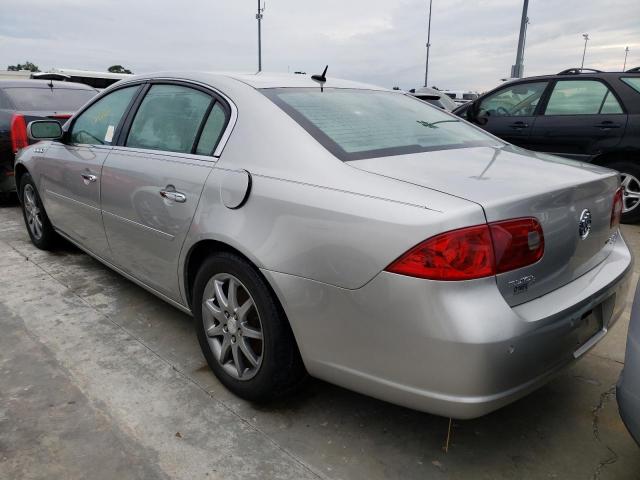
x: 243, y: 331
x: 35, y: 217
x: 630, y: 173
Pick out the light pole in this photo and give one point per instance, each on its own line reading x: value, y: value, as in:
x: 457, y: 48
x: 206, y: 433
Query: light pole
x: 426, y: 70
x: 626, y: 52
x: 586, y: 39
x: 517, y: 70
x: 259, y: 18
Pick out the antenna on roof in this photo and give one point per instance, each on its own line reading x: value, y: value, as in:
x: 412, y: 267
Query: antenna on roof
x: 322, y: 78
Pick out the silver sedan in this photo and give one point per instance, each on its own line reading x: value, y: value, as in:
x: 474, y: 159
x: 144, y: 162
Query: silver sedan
x: 328, y: 228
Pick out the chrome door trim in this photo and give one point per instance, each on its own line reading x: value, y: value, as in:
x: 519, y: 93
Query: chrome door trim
x: 151, y: 290
x: 76, y: 202
x: 168, y: 236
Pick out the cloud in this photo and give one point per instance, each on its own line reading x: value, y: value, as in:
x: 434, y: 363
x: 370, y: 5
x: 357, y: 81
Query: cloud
x: 376, y: 41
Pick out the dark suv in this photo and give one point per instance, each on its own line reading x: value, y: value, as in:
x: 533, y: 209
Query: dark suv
x: 582, y: 114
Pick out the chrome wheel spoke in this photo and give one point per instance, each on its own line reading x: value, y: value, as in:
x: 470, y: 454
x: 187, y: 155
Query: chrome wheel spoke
x: 232, y: 294
x: 214, y: 310
x: 248, y: 354
x: 244, y: 309
x: 224, y: 349
x: 220, y: 296
x: 250, y: 332
x: 631, y: 192
x: 236, y: 359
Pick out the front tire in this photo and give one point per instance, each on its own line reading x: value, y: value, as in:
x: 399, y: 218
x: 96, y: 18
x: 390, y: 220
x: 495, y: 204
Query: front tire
x: 38, y: 225
x: 630, y: 173
x: 243, y: 331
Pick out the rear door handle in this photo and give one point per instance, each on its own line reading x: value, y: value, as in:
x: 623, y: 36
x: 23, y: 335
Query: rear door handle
x: 88, y: 178
x: 606, y: 125
x: 519, y: 125
x: 170, y: 193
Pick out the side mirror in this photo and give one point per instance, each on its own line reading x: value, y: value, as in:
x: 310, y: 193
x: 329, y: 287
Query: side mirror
x: 44, y: 130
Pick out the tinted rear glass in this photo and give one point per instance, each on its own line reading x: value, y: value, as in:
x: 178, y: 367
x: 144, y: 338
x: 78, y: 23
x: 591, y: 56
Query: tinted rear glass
x: 354, y: 124
x: 49, y: 99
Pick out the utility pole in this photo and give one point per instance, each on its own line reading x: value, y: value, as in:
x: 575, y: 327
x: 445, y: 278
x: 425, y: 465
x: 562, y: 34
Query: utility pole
x: 517, y: 70
x: 259, y: 18
x: 626, y: 52
x: 586, y: 39
x: 426, y: 70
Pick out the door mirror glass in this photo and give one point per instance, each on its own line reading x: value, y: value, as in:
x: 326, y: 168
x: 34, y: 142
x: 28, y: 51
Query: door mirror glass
x: 514, y: 101
x: 44, y: 130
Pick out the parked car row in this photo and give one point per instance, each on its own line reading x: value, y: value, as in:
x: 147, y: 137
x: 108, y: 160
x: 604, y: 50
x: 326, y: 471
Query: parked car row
x: 22, y: 101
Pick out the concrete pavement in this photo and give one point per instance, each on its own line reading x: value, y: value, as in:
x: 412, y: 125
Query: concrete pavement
x: 99, y: 379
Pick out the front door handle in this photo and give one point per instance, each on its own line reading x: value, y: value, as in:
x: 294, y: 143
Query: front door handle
x: 170, y: 193
x: 519, y: 125
x: 607, y: 125
x: 88, y: 178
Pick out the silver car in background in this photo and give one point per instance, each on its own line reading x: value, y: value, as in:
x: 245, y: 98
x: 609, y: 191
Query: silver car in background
x: 340, y: 230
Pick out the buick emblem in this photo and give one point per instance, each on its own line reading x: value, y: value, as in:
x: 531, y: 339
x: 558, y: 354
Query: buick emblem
x: 584, y: 226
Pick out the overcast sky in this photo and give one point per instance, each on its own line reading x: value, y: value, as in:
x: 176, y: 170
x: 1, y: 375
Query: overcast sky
x: 376, y: 41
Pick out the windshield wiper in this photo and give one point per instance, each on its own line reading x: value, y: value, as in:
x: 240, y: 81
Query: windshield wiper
x: 433, y: 124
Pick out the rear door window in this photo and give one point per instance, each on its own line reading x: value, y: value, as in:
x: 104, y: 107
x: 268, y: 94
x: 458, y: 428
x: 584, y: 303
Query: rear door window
x: 97, y: 124
x: 581, y: 97
x: 169, y: 118
x: 518, y: 100
x: 49, y: 99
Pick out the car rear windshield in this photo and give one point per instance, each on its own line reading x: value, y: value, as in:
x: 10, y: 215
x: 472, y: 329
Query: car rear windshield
x: 48, y: 99
x: 355, y: 124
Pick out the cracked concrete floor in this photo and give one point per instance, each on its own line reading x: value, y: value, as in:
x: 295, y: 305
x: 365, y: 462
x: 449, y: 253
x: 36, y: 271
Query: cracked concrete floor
x: 99, y: 379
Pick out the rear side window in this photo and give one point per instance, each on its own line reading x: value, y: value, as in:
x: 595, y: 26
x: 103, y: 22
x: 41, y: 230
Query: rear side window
x: 49, y: 99
x: 581, y: 97
x: 354, y: 124
x: 169, y: 118
x: 97, y: 124
x: 212, y: 130
x: 633, y: 82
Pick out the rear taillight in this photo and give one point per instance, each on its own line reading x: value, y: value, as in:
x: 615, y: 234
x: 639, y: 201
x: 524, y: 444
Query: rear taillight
x: 474, y: 252
x: 516, y: 243
x: 616, y: 210
x: 18, y: 132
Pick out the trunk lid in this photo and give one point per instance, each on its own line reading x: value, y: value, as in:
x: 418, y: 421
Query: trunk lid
x: 509, y: 182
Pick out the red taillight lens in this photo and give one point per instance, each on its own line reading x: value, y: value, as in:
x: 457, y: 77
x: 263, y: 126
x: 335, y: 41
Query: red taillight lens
x: 456, y: 255
x: 474, y: 252
x: 616, y: 210
x: 18, y: 132
x: 516, y: 243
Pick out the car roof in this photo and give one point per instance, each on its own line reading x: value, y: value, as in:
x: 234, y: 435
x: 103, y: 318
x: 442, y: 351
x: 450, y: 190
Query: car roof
x: 585, y: 74
x: 259, y: 80
x: 32, y: 83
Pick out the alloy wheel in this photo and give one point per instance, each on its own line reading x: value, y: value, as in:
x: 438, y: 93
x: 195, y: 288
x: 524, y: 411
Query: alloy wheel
x: 631, y: 192
x: 233, y: 326
x: 32, y: 212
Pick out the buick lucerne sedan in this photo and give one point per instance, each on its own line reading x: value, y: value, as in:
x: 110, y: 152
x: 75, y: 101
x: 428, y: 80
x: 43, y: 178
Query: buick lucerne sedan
x: 313, y: 226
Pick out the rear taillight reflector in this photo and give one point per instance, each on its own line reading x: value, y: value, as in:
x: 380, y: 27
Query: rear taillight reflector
x: 516, y: 243
x: 616, y: 210
x: 18, y: 132
x: 474, y: 252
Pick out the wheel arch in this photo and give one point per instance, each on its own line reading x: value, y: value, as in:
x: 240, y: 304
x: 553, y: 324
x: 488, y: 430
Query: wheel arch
x: 19, y: 170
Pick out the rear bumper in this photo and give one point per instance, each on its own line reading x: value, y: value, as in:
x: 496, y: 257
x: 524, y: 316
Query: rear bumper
x: 451, y: 348
x: 7, y: 179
